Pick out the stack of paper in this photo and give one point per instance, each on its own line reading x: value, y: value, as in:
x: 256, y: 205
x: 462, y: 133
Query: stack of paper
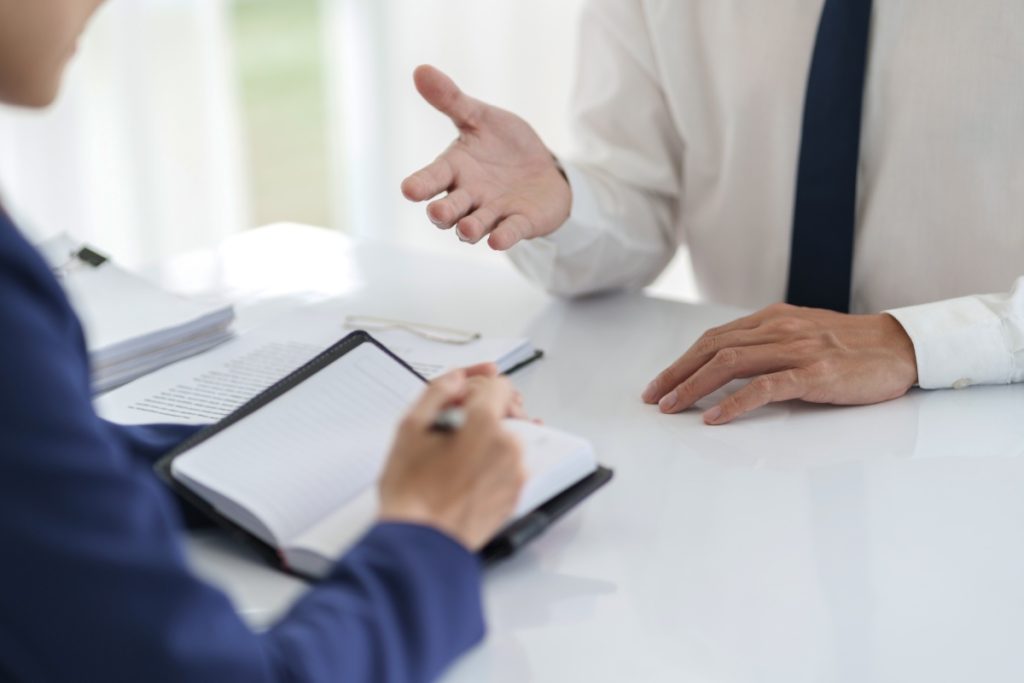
x: 208, y: 388
x: 132, y: 327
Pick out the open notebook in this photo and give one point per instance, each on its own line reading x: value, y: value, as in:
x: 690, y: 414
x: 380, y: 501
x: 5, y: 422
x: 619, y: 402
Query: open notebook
x: 296, y: 468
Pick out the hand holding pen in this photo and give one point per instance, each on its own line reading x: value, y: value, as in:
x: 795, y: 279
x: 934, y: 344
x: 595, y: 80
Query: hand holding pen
x: 453, y: 465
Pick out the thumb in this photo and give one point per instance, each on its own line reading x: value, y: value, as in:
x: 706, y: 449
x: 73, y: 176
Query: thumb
x: 482, y: 370
x: 442, y: 94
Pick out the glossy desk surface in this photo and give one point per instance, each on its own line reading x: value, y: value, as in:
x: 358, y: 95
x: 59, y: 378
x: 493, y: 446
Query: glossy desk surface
x: 800, y: 544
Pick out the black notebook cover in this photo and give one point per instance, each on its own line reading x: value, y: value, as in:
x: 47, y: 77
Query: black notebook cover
x: 507, y: 542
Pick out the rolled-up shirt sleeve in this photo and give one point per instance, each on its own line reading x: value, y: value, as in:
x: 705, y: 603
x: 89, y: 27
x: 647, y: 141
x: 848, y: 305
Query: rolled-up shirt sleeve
x: 625, y: 169
x: 968, y: 340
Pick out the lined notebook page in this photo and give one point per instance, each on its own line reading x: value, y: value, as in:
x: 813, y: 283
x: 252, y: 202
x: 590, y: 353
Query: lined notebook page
x: 312, y: 449
x: 554, y: 461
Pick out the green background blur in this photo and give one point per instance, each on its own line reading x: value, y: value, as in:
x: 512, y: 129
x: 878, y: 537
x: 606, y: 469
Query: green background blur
x: 280, y: 57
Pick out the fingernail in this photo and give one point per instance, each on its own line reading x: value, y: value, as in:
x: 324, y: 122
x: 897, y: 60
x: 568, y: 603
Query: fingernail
x: 438, y: 224
x: 669, y: 402
x: 650, y: 392
x: 462, y: 238
x: 712, y: 415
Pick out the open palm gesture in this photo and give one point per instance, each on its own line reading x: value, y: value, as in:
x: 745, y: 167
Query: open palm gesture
x: 500, y: 178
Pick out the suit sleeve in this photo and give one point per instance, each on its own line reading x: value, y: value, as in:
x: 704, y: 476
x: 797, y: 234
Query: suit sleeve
x: 970, y: 340
x: 625, y: 172
x: 96, y: 586
x: 149, y: 443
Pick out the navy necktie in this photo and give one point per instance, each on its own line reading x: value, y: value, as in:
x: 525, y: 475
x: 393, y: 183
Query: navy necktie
x: 821, y: 260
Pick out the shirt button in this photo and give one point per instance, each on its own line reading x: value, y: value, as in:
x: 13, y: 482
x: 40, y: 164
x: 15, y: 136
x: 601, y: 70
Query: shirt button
x: 962, y: 383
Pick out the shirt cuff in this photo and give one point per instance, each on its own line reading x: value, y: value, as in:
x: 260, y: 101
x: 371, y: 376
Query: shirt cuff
x: 958, y: 343
x: 586, y: 219
x: 583, y: 226
x: 538, y: 258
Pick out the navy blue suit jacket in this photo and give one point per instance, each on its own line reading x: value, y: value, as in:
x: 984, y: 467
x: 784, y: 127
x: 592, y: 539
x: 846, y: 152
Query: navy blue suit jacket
x: 93, y: 581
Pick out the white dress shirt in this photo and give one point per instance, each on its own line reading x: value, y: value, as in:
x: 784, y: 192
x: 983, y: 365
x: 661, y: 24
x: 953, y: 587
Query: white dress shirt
x: 688, y: 117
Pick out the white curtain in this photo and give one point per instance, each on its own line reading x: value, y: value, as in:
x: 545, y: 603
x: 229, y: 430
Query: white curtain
x: 142, y: 154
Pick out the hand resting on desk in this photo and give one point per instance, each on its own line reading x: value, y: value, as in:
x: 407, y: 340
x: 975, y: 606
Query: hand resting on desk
x: 791, y: 353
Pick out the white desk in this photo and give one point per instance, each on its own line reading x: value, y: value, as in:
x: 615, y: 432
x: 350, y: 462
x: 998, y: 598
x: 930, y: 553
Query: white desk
x: 800, y: 544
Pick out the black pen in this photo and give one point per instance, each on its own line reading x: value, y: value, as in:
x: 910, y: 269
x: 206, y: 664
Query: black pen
x: 449, y: 420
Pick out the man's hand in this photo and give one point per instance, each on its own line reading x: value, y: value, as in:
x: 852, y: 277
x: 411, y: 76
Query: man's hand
x: 791, y: 353
x: 464, y: 483
x: 499, y: 176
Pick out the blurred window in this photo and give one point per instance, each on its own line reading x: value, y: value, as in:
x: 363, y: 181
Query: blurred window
x: 280, y: 61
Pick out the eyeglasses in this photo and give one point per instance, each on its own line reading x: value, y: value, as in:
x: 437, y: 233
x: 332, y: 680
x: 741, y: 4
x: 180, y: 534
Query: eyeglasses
x: 444, y: 335
x: 78, y: 259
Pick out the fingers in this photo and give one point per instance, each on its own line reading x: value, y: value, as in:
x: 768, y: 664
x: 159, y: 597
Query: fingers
x: 795, y: 353
x: 725, y: 366
x: 517, y: 411
x: 702, y: 351
x: 506, y: 231
x: 510, y: 232
x: 516, y: 406
x: 482, y: 370
x: 440, y: 394
x: 473, y: 227
x: 444, y: 213
x: 442, y: 94
x: 429, y: 181
x: 780, y: 386
x: 753, y: 320
x: 490, y: 401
